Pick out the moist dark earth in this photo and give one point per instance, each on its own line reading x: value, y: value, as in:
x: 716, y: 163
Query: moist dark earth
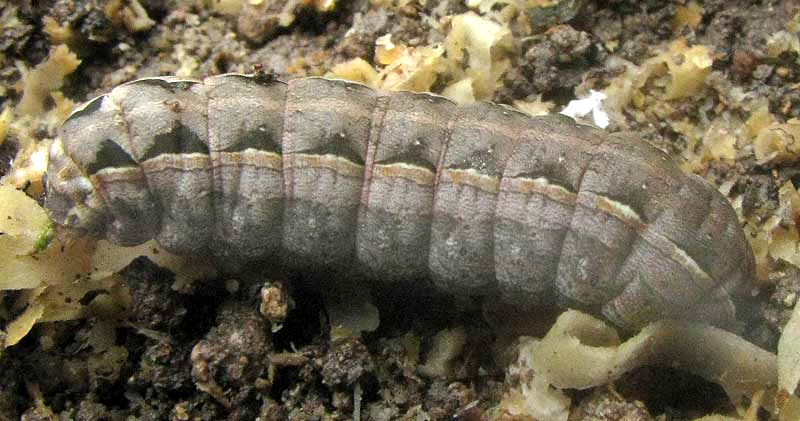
x: 206, y: 352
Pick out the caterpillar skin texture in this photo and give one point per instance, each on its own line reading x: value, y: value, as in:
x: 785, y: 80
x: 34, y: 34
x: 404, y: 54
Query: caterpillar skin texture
x: 479, y: 199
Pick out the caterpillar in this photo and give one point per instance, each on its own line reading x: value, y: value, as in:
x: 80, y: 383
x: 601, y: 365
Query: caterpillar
x: 478, y: 199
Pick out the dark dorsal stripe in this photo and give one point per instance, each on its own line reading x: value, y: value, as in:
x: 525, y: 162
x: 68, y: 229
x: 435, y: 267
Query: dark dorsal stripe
x: 180, y: 140
x: 110, y: 155
x: 257, y: 139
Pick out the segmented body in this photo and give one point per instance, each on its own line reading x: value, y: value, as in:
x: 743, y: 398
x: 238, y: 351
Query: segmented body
x: 480, y: 199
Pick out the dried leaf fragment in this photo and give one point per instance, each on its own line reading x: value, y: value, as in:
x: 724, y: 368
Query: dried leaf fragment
x: 387, y: 52
x: 416, y: 69
x: 57, y: 303
x: 5, y: 121
x: 56, y: 264
x: 688, y: 68
x: 357, y: 70
x: 446, y: 346
x: 46, y: 77
x: 109, y: 259
x: 689, y: 15
x: 781, y: 42
x: 460, y: 92
x: 25, y: 227
x: 535, y: 400
x: 58, y: 34
x: 789, y: 354
x: 581, y: 352
x: 350, y: 311
x: 130, y: 14
x: 783, y: 238
x: 481, y: 44
x: 778, y: 143
x: 227, y: 7
x: 17, y: 329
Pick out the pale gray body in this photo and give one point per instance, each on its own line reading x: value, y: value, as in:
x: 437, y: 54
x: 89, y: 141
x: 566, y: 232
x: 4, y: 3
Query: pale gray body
x: 401, y: 186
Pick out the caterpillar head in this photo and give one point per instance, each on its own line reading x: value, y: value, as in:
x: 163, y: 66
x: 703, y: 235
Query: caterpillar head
x: 72, y: 200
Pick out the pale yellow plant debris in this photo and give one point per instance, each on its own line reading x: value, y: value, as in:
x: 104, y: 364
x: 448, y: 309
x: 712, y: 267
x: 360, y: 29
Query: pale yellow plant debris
x: 446, y: 346
x: 5, y: 121
x: 58, y: 303
x: 784, y: 242
x: 536, y: 107
x: 721, y: 142
x: 642, y: 88
x: 581, y: 351
x: 681, y: 71
x: 760, y: 235
x: 321, y: 6
x: 474, y: 56
x: 460, y: 92
x: 718, y: 142
x: 387, y: 52
x: 56, y: 279
x: 759, y: 120
x: 790, y: 408
x: 625, y: 89
x: 481, y: 47
x: 533, y: 400
x: 58, y: 34
x: 286, y: 17
x: 63, y: 302
x: 129, y: 14
x: 46, y: 77
x: 778, y: 143
x: 534, y: 397
x: 24, y: 225
x: 687, y: 15
x: 22, y: 325
x: 789, y: 354
x: 793, y: 24
x: 62, y: 108
x: 356, y: 70
x: 54, y: 273
x: 783, y: 42
x: 108, y: 259
x: 688, y: 68
x: 350, y: 310
x: 415, y: 70
x: 508, y: 12
x: 54, y: 265
x: 227, y: 7
x: 29, y: 166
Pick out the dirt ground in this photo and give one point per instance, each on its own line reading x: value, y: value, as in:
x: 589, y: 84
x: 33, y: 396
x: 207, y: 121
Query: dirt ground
x: 207, y: 352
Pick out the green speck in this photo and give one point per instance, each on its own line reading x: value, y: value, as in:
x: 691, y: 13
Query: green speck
x: 45, y: 237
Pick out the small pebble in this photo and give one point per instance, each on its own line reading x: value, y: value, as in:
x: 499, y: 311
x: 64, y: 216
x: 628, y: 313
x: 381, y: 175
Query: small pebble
x: 790, y: 300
